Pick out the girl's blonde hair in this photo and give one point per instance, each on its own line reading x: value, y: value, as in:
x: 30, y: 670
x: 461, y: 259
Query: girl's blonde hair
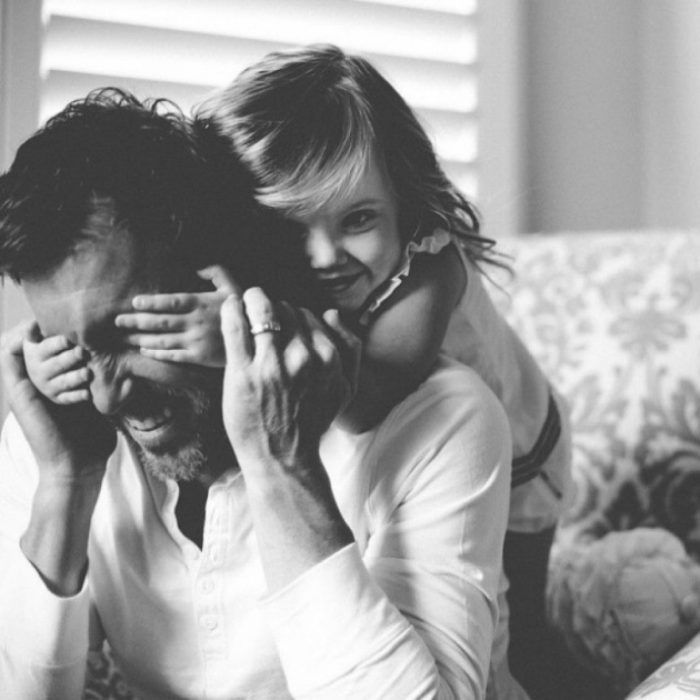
x: 305, y: 122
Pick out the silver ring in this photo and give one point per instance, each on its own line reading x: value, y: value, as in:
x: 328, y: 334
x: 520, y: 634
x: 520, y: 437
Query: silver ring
x: 267, y: 327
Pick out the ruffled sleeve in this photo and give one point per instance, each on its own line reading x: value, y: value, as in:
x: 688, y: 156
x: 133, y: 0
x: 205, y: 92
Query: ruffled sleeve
x: 431, y: 244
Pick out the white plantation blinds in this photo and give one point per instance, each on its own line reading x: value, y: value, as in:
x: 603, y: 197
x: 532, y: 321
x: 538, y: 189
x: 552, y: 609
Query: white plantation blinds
x: 181, y: 49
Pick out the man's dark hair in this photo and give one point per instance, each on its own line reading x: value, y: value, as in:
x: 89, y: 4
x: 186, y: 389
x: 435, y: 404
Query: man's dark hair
x: 171, y: 182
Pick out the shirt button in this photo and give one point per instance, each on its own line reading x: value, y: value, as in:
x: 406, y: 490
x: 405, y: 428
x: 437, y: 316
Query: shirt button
x: 209, y: 622
x: 206, y: 586
x: 215, y: 555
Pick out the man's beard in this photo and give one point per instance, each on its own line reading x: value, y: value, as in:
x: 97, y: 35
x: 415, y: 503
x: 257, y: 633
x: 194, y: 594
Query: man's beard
x: 201, y: 449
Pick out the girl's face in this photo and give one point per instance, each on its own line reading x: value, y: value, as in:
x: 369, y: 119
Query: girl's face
x: 353, y: 242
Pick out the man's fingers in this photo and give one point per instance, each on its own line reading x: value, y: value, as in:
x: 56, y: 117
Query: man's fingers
x: 348, y: 344
x: 12, y: 364
x: 11, y: 347
x: 222, y: 279
x: 264, y: 323
x: 320, y: 341
x: 234, y: 329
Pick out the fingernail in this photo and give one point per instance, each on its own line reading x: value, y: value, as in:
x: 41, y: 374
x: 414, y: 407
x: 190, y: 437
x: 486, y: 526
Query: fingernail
x: 137, y: 302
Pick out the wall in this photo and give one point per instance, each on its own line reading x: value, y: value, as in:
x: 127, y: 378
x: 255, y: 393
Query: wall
x: 671, y: 33
x: 611, y: 97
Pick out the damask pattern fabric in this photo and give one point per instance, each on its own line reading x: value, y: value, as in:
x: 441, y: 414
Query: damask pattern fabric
x: 615, y: 321
x: 614, y: 318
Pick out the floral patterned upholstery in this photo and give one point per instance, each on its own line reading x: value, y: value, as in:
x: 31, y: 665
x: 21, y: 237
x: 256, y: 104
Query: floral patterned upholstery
x: 677, y: 679
x: 104, y: 682
x: 614, y: 318
x: 615, y: 321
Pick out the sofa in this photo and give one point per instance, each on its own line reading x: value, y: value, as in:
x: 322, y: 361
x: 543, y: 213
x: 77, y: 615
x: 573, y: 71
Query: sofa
x: 614, y: 318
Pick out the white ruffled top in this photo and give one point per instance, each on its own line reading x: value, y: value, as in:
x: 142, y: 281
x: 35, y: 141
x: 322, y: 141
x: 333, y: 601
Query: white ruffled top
x: 431, y: 244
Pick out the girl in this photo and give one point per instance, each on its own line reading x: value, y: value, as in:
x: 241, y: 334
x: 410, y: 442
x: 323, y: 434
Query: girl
x: 333, y: 147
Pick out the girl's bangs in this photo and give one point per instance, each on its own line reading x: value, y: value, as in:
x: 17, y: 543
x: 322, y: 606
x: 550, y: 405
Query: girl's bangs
x: 327, y: 170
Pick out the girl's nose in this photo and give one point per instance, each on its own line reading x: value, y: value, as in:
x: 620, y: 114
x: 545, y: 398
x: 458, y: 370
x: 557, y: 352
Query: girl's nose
x: 109, y: 390
x: 323, y: 248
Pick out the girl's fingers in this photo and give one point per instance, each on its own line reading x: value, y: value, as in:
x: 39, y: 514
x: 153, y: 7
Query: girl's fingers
x: 151, y: 322
x: 70, y: 397
x: 32, y: 333
x: 156, y: 341
x: 46, y: 347
x: 222, y: 279
x: 69, y: 381
x: 64, y: 361
x: 168, y: 355
x: 175, y: 303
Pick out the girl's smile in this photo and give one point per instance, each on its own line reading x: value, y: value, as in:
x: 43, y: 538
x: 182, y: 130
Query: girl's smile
x: 353, y: 241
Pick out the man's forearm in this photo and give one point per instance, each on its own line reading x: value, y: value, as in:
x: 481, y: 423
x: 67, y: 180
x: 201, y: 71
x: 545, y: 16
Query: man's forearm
x: 56, y: 538
x: 296, y: 520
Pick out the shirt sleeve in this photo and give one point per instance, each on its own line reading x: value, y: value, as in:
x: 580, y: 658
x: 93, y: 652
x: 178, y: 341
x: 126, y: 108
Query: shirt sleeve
x: 43, y: 637
x: 414, y: 617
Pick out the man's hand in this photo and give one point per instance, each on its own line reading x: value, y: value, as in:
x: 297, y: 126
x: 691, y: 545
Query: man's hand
x: 71, y: 445
x: 287, y: 377
x: 283, y: 388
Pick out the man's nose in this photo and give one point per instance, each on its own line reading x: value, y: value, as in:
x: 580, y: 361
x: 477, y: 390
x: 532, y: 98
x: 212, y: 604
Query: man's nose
x: 108, y: 387
x: 323, y: 248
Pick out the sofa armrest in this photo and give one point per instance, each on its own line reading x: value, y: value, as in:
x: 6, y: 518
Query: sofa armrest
x: 678, y: 678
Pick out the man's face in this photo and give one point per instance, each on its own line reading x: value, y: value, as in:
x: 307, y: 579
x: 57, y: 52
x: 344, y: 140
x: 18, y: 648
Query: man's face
x: 170, y: 413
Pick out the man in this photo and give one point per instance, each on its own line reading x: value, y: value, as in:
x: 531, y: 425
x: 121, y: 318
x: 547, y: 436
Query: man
x: 226, y: 540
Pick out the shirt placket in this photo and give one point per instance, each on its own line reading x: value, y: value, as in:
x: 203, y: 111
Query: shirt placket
x: 208, y: 582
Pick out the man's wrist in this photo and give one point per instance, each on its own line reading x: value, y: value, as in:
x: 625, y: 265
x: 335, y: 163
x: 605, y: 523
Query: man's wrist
x: 55, y: 541
x: 296, y: 518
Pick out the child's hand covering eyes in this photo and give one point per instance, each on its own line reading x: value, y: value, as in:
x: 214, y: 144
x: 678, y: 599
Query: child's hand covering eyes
x: 57, y: 367
x: 181, y: 327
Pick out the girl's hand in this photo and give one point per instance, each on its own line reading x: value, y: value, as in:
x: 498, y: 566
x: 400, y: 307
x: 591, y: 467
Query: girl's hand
x: 71, y: 443
x: 56, y: 367
x: 184, y: 327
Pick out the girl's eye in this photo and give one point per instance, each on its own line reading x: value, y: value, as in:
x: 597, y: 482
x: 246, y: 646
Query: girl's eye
x: 359, y: 220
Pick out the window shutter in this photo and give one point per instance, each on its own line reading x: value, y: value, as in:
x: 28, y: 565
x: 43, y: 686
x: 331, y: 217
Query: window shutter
x: 182, y: 49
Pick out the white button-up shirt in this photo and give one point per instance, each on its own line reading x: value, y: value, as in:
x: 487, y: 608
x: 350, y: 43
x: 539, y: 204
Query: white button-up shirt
x: 407, y: 611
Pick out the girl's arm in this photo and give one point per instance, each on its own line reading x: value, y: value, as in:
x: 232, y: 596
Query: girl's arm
x: 404, y: 339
